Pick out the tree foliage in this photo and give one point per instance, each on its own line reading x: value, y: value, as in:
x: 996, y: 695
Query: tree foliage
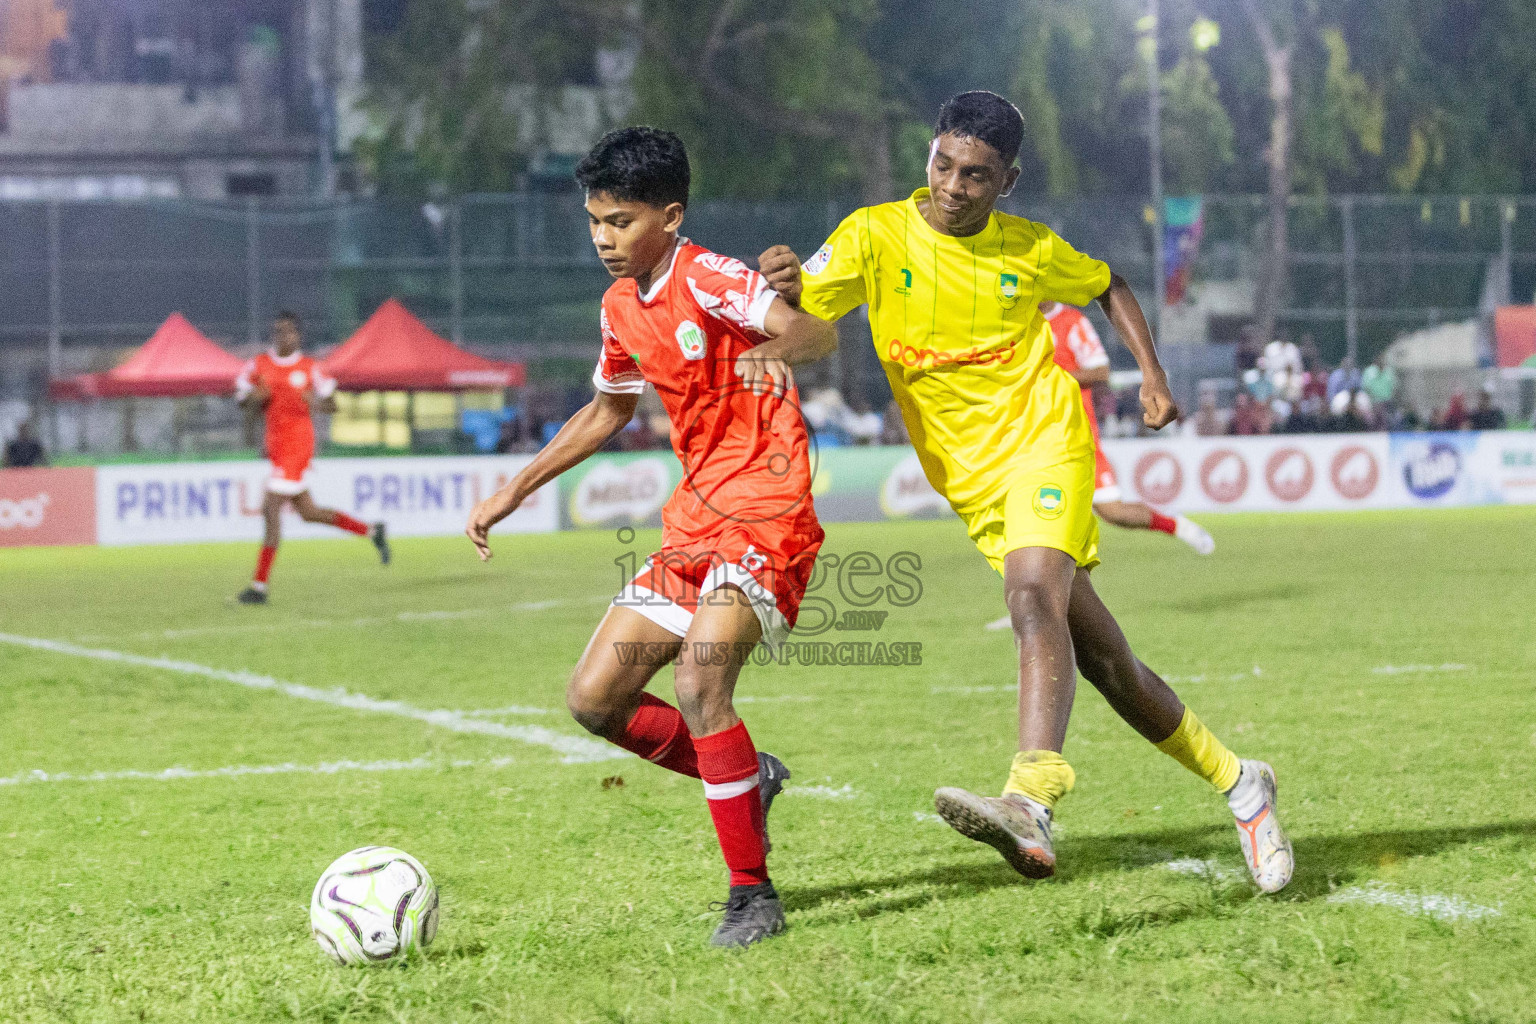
x: 832, y: 97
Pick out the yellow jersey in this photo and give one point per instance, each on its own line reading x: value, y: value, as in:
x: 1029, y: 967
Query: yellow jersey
x: 957, y: 325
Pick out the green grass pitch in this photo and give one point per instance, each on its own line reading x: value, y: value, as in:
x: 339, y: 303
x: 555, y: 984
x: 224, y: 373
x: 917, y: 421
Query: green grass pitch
x: 1382, y: 662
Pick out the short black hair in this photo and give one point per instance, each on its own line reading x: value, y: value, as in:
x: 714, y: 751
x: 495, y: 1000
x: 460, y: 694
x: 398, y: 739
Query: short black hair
x: 985, y: 117
x: 638, y: 164
x: 292, y: 317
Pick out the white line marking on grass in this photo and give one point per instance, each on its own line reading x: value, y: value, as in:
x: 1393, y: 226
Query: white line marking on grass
x: 844, y: 792
x: 356, y: 623
x: 1203, y: 868
x: 1397, y: 670
x: 926, y: 816
x: 511, y: 709
x: 976, y: 689
x: 1006, y: 622
x: 574, y: 749
x: 235, y: 771
x: 1253, y: 673
x: 1442, y: 908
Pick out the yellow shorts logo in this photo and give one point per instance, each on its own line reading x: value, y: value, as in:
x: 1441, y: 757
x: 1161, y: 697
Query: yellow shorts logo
x: 1049, y: 502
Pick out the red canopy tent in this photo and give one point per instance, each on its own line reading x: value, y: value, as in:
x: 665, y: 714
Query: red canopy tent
x: 394, y: 351
x: 176, y: 362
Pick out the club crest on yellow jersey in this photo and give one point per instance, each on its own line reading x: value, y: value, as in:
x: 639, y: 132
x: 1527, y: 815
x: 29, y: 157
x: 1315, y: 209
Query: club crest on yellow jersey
x: 1008, y: 290
x: 1049, y: 501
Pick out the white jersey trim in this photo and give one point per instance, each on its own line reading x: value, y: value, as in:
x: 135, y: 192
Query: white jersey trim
x: 764, y: 604
x: 285, y: 487
x: 757, y: 311
x: 662, y: 610
x: 324, y: 386
x: 243, y: 384
x: 625, y: 385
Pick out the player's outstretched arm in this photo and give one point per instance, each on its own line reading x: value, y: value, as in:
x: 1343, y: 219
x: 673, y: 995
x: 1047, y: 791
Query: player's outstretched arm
x: 582, y: 436
x: 794, y: 337
x: 1091, y: 377
x: 1120, y: 305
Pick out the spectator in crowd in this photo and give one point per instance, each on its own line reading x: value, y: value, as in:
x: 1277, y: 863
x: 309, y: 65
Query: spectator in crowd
x: 1249, y: 349
x: 1307, y: 417
x: 863, y: 423
x: 1283, y: 367
x: 1123, y: 413
x: 1256, y: 383
x: 1455, y: 415
x: 826, y: 412
x: 1380, y: 382
x: 1344, y: 380
x: 1348, y: 415
x: 1314, y: 383
x: 1210, y: 420
x: 1405, y: 419
x: 637, y: 435
x: 515, y: 435
x: 1486, y: 416
x: 1249, y: 416
x: 24, y: 450
x: 894, y: 429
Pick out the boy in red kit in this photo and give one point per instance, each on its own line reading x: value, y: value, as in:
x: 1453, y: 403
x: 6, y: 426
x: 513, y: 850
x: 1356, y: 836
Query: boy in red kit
x: 290, y: 386
x: 739, y: 534
x: 1080, y: 352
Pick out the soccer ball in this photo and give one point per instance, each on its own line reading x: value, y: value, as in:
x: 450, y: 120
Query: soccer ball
x: 373, y: 904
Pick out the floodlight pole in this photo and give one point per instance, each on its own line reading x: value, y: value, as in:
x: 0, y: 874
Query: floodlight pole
x: 55, y: 317
x: 1155, y: 153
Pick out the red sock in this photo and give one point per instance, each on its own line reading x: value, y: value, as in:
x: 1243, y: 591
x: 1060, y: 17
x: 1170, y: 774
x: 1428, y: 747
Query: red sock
x: 346, y: 522
x: 264, y: 565
x: 658, y: 734
x: 728, y: 765
x: 1164, y: 524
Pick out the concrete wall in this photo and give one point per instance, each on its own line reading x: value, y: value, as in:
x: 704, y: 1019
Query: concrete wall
x: 74, y: 118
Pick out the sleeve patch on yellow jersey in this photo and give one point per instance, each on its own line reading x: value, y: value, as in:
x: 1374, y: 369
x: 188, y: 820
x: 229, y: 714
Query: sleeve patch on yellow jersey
x: 818, y: 262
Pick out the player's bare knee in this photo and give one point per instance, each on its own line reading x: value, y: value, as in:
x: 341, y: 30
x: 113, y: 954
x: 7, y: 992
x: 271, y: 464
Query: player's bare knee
x: 1033, y: 607
x: 700, y: 691
x: 1109, y: 674
x: 589, y: 705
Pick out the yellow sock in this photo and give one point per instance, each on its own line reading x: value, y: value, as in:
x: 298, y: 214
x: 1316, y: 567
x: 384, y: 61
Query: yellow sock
x: 1041, y: 775
x: 1197, y: 748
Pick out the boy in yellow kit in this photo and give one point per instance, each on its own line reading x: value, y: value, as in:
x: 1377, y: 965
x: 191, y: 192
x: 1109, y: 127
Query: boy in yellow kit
x: 954, y: 289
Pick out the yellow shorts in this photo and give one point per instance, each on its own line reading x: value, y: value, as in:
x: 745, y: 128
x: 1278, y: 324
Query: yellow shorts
x: 1042, y: 508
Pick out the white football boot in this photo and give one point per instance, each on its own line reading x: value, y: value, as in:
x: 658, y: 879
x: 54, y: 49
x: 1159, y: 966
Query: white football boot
x: 1265, y: 846
x: 1193, y: 534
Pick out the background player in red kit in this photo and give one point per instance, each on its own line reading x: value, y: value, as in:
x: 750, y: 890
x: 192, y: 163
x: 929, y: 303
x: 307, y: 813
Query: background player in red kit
x: 290, y: 387
x: 1080, y: 352
x: 739, y: 534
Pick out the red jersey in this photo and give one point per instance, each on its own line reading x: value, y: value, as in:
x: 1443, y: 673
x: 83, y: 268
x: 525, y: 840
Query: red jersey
x: 1078, y: 348
x: 745, y: 457
x: 290, y: 428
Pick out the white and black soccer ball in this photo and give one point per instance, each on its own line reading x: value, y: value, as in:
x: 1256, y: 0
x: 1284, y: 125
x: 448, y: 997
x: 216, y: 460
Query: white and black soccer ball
x: 373, y: 905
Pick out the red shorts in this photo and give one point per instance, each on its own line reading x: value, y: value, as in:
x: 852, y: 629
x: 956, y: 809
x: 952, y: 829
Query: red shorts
x: 769, y: 563
x: 290, y: 464
x: 1105, y: 486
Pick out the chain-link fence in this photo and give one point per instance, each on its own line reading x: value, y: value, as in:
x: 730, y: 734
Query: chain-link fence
x: 515, y: 275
